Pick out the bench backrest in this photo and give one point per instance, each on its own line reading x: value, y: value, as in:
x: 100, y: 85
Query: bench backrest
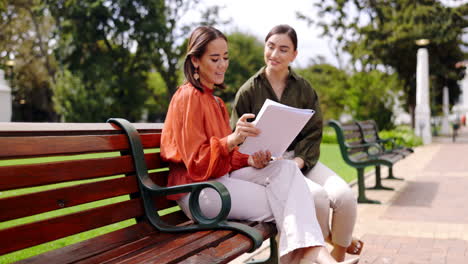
x: 49, y: 190
x: 369, y: 130
x: 349, y: 138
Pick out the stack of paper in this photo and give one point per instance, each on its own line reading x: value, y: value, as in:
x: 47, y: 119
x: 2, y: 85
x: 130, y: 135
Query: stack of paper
x: 279, y: 125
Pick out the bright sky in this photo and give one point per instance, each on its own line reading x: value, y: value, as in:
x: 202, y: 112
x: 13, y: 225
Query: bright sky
x: 257, y: 17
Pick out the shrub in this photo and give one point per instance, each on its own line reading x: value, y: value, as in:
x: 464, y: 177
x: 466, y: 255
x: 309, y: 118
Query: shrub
x: 403, y: 135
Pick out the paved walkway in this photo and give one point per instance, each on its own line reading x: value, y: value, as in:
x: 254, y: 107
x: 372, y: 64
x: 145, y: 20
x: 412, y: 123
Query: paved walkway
x: 425, y: 220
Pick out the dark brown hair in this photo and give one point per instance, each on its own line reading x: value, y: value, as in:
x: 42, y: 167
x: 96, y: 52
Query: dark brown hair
x: 197, y: 43
x: 284, y: 29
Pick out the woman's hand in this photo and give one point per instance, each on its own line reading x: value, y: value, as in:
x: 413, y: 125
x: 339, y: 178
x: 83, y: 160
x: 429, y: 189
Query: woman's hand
x: 243, y: 130
x: 259, y: 159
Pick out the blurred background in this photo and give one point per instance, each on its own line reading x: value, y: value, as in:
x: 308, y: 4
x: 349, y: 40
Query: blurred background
x: 88, y: 60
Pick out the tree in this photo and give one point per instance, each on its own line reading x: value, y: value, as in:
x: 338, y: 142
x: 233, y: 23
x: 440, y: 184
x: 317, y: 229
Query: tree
x: 113, y: 45
x: 26, y: 33
x: 245, y: 58
x: 107, y: 44
x: 331, y: 86
x: 383, y: 33
x: 372, y: 95
x: 364, y: 95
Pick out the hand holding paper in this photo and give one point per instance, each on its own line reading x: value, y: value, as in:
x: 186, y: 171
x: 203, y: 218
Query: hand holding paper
x: 279, y: 125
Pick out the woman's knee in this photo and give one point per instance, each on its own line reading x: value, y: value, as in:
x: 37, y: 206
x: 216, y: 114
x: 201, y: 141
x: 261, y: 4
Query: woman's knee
x: 320, y: 196
x: 344, y: 199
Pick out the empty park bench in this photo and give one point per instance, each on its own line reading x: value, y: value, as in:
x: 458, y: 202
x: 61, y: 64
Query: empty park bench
x: 370, y: 132
x: 60, y: 180
x: 360, y: 152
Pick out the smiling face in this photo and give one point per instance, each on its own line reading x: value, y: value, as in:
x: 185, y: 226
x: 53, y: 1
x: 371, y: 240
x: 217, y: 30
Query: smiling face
x: 213, y: 64
x: 279, y: 52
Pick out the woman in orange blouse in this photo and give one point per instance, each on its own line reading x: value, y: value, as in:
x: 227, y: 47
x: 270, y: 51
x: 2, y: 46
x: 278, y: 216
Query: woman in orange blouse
x: 199, y: 144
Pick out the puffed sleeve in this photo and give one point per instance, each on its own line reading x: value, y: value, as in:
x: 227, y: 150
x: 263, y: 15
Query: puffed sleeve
x: 185, y: 138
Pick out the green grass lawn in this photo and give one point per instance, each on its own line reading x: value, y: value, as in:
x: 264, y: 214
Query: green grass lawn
x: 330, y: 156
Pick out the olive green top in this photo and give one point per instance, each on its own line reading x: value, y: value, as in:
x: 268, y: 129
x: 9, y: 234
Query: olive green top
x: 297, y: 93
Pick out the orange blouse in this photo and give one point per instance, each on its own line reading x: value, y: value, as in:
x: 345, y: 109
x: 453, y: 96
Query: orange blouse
x: 194, y: 138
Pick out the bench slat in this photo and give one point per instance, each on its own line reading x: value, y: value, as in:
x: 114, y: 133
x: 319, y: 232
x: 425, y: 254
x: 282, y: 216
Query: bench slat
x: 229, y: 249
x: 20, y: 206
x: 23, y: 236
x: 181, y: 248
x: 150, y: 252
x: 353, y: 135
x: 96, y: 246
x: 21, y: 176
x: 55, y: 199
x: 26, y: 147
x: 37, y: 129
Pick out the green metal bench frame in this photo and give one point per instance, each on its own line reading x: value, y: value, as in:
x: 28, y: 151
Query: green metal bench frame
x: 388, y: 145
x: 149, y: 189
x: 374, y: 157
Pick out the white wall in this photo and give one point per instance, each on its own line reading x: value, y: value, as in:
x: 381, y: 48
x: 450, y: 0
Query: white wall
x: 5, y: 99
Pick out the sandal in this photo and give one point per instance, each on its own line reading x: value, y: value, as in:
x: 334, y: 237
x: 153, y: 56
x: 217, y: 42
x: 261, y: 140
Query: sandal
x: 356, y: 247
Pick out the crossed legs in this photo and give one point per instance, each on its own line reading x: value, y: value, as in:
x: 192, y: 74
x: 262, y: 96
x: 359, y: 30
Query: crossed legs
x: 344, y: 210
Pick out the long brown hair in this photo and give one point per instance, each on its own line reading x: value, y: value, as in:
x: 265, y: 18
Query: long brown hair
x: 198, y: 41
x: 284, y: 29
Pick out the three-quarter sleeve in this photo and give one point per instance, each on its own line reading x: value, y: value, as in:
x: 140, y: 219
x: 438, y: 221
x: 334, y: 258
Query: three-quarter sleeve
x: 310, y: 137
x: 242, y: 103
x: 194, y: 134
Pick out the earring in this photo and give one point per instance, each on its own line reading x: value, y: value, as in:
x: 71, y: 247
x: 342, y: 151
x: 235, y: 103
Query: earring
x: 196, y: 76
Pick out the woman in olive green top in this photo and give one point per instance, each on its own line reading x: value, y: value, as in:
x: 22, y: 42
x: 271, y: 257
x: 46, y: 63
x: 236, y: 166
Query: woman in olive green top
x: 278, y: 82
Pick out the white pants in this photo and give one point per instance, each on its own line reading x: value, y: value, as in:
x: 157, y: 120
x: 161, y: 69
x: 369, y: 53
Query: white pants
x: 332, y: 192
x: 278, y: 192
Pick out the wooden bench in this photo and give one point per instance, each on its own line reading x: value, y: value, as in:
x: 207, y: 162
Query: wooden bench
x: 114, y: 187
x: 370, y: 132
x: 359, y: 153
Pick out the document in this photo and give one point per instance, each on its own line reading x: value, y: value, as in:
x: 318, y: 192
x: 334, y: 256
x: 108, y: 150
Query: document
x: 279, y: 124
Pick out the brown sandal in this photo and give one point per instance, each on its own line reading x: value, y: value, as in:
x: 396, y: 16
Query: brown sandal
x: 356, y: 247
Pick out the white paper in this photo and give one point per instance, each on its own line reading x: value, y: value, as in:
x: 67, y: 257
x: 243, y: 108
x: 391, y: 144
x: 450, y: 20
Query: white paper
x: 279, y: 125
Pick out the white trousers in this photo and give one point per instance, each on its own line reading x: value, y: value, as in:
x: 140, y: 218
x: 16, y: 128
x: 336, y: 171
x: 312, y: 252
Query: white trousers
x: 331, y: 191
x: 278, y: 192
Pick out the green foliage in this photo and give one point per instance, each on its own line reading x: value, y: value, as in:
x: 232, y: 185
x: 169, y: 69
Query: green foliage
x: 157, y: 104
x: 3, y: 4
x: 97, y: 39
x: 113, y: 46
x: 26, y: 29
x: 403, y: 135
x: 330, y: 84
x: 363, y: 95
x: 75, y: 103
x: 384, y: 33
x: 245, y: 58
x: 372, y: 96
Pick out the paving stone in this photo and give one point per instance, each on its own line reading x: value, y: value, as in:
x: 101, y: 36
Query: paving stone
x: 425, y: 220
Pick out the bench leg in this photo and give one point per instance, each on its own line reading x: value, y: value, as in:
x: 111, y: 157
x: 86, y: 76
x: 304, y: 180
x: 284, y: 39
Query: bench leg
x: 378, y: 181
x: 390, y: 175
x: 362, y: 188
x: 274, y: 258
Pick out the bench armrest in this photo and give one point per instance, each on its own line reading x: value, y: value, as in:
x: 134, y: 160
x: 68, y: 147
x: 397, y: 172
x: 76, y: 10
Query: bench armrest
x: 149, y: 189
